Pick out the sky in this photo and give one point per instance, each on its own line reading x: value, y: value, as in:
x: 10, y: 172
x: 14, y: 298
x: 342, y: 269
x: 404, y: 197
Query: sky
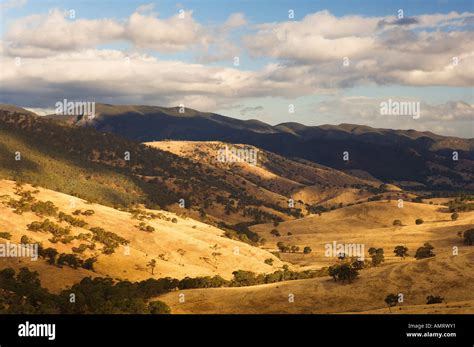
x: 312, y: 62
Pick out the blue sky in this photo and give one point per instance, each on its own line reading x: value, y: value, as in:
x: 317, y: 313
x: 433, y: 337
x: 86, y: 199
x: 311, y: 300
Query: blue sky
x: 282, y: 61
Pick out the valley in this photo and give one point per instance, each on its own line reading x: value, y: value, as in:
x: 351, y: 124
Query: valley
x: 187, y: 232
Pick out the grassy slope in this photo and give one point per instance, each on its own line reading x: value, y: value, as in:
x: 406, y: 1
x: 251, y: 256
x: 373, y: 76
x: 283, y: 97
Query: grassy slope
x: 445, y: 275
x: 197, y: 239
x: 370, y: 224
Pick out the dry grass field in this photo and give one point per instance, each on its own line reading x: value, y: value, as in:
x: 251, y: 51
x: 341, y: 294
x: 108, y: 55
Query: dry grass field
x: 206, y: 251
x: 444, y: 275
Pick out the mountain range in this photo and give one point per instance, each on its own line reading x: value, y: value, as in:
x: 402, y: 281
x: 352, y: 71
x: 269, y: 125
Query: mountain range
x: 405, y: 157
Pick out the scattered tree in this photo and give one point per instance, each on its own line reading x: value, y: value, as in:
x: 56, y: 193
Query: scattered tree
x: 469, y: 237
x: 419, y: 221
x: 401, y: 251
x: 391, y: 300
x: 152, y: 264
x: 377, y: 256
x: 424, y: 252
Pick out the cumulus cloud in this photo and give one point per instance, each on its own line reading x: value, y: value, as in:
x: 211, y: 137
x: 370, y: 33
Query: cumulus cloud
x: 113, y: 75
x: 392, y: 53
x: 47, y: 34
x: 235, y: 20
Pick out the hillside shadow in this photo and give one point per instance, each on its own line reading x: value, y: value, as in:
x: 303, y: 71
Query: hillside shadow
x: 8, y: 162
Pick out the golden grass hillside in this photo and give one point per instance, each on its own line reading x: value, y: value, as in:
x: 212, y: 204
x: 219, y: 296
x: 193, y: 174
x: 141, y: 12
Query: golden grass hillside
x: 445, y: 275
x: 297, y: 179
x: 181, y: 248
x: 369, y: 224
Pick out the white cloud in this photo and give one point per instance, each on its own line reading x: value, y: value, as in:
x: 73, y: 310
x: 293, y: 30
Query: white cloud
x: 172, y: 34
x: 9, y: 4
x: 392, y: 53
x: 235, y: 20
x: 44, y: 35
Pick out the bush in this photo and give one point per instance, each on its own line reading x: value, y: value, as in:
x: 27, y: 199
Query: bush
x: 283, y: 247
x: 307, y: 250
x: 397, y: 223
x: 424, y: 252
x: 377, y: 256
x: 343, y: 272
x: 71, y: 220
x: 158, y: 307
x: 5, y: 235
x: 109, y: 239
x: 42, y: 208
x: 419, y: 221
x: 430, y: 299
x: 275, y: 233
x: 391, y: 300
x: 269, y: 261
x: 469, y: 237
x: 454, y: 216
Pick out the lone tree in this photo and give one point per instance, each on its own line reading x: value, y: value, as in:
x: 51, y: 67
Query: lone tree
x: 424, y: 252
x: 454, y: 216
x: 469, y: 237
x: 307, y: 250
x: 431, y: 299
x: 377, y: 256
x: 152, y: 265
x: 181, y: 252
x: 391, y: 300
x: 401, y: 251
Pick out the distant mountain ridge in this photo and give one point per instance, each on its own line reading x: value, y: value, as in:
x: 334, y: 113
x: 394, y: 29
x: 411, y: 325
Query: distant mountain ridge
x: 388, y: 155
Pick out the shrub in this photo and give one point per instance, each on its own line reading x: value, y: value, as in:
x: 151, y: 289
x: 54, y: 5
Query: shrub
x: 42, y: 208
x: 377, y: 256
x: 343, y: 272
x: 469, y: 237
x: 5, y: 235
x: 69, y: 259
x: 454, y: 216
x: 269, y: 261
x: 307, y: 250
x: 71, y: 220
x: 391, y: 300
x: 424, y: 252
x: 430, y: 299
x: 401, y: 251
x: 397, y: 223
x: 158, y: 307
x: 275, y: 233
x: 419, y: 221
x: 283, y: 247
